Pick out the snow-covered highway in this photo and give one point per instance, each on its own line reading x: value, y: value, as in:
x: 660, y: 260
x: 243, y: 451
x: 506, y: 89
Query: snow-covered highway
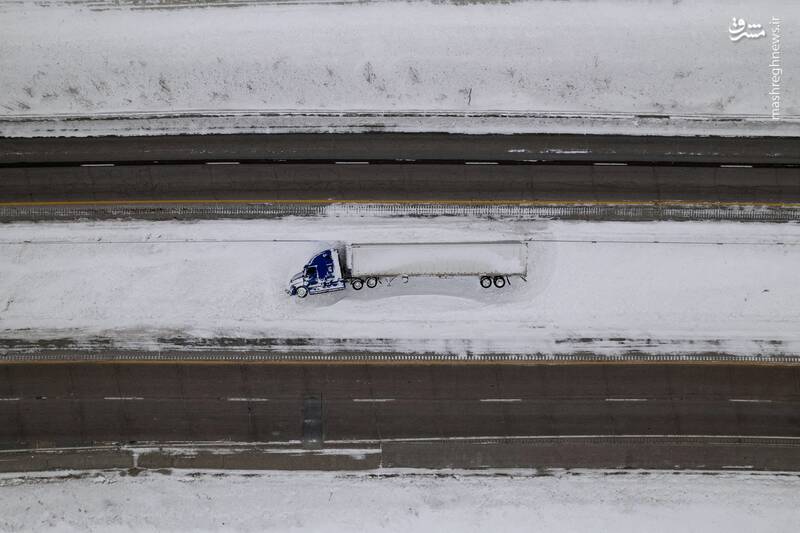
x: 612, y: 289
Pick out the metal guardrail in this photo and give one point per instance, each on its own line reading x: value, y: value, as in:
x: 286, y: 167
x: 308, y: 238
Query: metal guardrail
x: 474, y: 456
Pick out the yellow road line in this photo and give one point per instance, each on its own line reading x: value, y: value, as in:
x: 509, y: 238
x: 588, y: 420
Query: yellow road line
x: 328, y: 201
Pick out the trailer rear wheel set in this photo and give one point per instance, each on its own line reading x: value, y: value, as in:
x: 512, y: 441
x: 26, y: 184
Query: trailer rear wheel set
x: 498, y: 281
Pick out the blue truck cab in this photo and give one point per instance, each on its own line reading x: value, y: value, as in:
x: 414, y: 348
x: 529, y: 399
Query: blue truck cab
x: 323, y: 273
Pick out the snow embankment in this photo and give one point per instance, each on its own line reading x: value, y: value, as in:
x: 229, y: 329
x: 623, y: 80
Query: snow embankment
x: 406, y: 501
x: 606, y: 66
x: 611, y: 289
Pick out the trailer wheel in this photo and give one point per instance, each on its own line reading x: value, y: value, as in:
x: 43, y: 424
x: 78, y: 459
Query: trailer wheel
x: 486, y: 282
x: 357, y: 284
x: 499, y: 282
x: 372, y: 282
x: 301, y: 292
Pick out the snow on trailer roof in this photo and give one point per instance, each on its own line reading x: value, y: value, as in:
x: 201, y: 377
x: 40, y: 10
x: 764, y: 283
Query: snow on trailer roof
x: 438, y: 258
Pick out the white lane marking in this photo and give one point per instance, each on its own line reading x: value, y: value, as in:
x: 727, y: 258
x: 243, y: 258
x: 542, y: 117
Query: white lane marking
x: 9, y: 399
x: 736, y: 166
x: 610, y: 164
x: 738, y: 467
x: 374, y: 400
x: 480, y: 162
x: 748, y: 400
x: 222, y: 162
x: 248, y: 399
x: 626, y: 399
x: 122, y: 398
x: 97, y: 164
x: 506, y: 400
x: 351, y: 162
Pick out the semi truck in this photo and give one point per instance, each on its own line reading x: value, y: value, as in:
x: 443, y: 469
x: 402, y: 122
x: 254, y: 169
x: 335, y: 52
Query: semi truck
x: 368, y: 264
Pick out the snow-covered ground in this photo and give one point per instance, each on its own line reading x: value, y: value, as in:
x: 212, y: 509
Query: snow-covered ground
x: 576, y: 501
x: 602, y: 287
x: 401, y: 66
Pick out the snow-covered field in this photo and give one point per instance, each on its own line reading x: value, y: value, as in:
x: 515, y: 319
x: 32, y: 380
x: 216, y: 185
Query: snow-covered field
x: 602, y: 287
x: 576, y: 501
x: 581, y: 66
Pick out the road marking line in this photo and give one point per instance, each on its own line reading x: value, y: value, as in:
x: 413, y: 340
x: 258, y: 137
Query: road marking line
x: 123, y: 398
x: 222, y: 162
x: 626, y: 399
x: 373, y: 400
x: 248, y: 399
x: 503, y: 400
x: 748, y: 400
x: 97, y: 164
x: 9, y: 399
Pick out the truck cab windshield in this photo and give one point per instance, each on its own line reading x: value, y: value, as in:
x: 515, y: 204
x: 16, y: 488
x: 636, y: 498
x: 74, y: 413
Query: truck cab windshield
x: 310, y: 272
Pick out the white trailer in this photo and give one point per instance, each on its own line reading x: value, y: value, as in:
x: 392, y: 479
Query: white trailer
x: 359, y: 264
x: 438, y: 259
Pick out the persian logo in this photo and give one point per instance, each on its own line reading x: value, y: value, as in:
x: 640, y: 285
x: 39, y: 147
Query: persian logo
x: 739, y: 30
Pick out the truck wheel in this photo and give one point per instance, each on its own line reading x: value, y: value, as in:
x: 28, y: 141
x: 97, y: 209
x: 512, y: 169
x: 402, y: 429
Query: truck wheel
x: 499, y: 282
x: 357, y: 284
x: 372, y: 282
x: 301, y: 292
x: 486, y: 282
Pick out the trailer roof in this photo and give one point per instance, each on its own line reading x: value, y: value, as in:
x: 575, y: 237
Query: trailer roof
x: 439, y: 258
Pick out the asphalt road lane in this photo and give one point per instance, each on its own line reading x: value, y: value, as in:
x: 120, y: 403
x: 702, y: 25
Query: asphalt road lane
x: 398, y: 146
x: 419, y: 182
x: 84, y: 404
